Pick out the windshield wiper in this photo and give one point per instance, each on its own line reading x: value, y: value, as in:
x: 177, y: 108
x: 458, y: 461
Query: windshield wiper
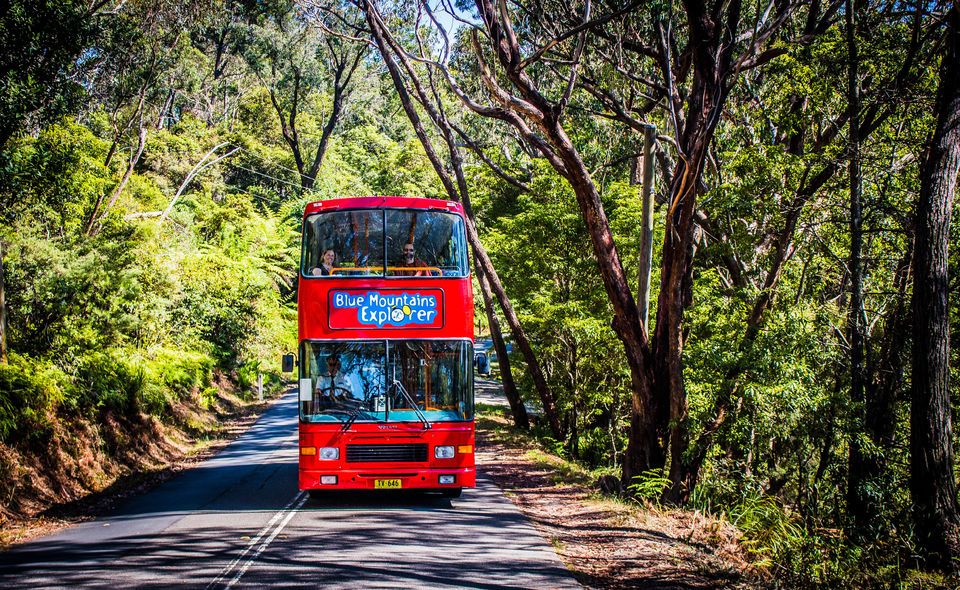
x: 413, y: 404
x: 354, y: 414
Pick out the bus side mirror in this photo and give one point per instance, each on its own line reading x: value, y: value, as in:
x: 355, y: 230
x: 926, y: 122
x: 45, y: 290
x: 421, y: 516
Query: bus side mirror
x: 288, y: 363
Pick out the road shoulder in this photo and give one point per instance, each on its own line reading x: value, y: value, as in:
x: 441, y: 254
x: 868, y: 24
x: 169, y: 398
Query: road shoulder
x: 607, y: 543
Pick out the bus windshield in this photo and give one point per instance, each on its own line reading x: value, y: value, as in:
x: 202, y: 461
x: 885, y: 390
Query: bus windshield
x: 384, y: 242
x: 386, y: 381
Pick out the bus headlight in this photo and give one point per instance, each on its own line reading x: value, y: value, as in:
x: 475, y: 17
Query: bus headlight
x: 329, y: 454
x: 443, y: 452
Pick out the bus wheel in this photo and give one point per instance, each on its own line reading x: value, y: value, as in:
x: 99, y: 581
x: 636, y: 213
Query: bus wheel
x: 451, y: 492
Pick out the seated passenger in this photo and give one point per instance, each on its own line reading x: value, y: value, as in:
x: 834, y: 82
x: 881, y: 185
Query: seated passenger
x: 327, y: 262
x: 414, y: 267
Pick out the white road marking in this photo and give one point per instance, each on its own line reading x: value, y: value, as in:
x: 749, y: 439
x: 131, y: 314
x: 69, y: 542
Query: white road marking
x: 283, y: 517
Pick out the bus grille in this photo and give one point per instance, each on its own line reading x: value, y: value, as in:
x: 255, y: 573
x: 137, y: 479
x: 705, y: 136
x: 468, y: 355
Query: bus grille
x: 412, y: 453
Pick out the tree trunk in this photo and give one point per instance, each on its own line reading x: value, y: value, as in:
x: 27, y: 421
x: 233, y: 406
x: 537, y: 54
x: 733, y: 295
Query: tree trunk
x: 646, y: 232
x: 341, y: 85
x: 134, y: 160
x: 859, y: 504
x: 932, y: 486
x: 676, y: 283
x: 675, y: 295
x: 165, y: 109
x: 3, y: 313
x: 517, y: 409
x: 131, y: 164
x: 481, y: 259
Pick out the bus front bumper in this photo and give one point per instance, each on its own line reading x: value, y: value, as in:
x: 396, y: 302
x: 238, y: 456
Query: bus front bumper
x: 389, y: 479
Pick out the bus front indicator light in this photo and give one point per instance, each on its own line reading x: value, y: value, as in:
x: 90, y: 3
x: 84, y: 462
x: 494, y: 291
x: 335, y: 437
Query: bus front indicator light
x: 329, y: 454
x: 444, y: 452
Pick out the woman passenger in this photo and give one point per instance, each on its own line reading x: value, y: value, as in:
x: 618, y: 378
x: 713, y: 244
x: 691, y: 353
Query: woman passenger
x: 326, y: 264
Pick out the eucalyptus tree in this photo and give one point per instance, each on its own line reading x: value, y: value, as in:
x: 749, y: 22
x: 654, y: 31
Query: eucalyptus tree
x: 794, y: 111
x: 298, y: 61
x: 430, y: 98
x: 222, y: 34
x: 138, y: 64
x: 39, y: 77
x: 529, y: 62
x: 933, y: 485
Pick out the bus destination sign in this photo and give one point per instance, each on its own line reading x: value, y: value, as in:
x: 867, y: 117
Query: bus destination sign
x: 386, y: 308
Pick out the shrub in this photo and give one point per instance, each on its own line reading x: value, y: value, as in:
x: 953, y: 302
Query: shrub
x: 768, y: 528
x: 29, y: 389
x: 247, y: 377
x: 649, y: 485
x: 108, y: 380
x: 173, y: 375
x: 182, y: 371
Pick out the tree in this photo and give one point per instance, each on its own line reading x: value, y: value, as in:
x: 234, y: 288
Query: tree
x: 456, y: 186
x: 694, y: 81
x: 3, y: 313
x: 140, y: 61
x: 35, y: 74
x: 932, y: 485
x: 296, y: 62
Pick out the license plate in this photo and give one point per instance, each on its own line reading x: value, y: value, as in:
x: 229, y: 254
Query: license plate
x: 387, y: 484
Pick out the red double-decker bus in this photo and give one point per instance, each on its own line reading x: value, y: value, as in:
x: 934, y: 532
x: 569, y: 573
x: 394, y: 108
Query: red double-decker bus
x: 386, y: 346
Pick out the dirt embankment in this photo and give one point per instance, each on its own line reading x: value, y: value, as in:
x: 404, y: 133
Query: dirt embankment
x: 82, y: 466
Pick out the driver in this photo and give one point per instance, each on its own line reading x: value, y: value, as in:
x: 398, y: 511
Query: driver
x: 335, y: 386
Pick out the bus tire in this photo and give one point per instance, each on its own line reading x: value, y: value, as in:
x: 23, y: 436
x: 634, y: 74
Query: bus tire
x: 451, y: 492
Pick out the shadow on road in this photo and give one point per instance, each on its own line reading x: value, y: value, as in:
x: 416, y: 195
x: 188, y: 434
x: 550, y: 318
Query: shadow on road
x: 380, y: 500
x: 190, y: 530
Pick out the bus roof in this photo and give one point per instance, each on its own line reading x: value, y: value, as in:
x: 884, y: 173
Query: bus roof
x: 383, y: 201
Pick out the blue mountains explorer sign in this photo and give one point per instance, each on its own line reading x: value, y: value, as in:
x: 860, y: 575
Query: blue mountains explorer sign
x: 378, y: 308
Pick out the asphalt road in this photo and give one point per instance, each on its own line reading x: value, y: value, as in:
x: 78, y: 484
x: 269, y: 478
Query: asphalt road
x: 238, y: 520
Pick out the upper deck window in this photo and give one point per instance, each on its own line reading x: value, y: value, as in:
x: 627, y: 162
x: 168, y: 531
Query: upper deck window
x: 384, y: 242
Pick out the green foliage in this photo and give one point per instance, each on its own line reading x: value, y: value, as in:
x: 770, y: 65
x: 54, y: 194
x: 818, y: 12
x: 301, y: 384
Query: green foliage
x: 173, y: 375
x: 29, y: 391
x: 55, y: 177
x: 127, y: 315
x: 38, y: 76
x: 385, y: 166
x: 767, y: 528
x: 649, y: 485
x: 539, y: 245
x: 123, y: 313
x: 108, y: 381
